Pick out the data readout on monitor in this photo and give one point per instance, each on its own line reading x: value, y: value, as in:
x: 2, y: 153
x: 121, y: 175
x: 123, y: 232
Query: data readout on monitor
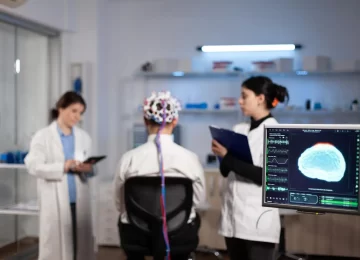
x: 316, y: 168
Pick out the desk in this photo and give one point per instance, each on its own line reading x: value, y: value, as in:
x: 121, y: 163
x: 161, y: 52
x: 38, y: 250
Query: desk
x: 210, y: 215
x: 329, y: 234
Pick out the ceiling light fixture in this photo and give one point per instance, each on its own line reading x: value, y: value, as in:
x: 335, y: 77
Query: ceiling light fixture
x: 247, y: 48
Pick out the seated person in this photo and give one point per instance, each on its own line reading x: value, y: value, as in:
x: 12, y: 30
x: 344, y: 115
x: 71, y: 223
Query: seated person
x: 144, y: 161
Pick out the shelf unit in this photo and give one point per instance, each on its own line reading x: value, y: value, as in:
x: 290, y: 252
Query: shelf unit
x: 234, y: 74
x: 178, y: 74
x: 278, y: 112
x: 285, y: 112
x: 209, y: 111
x: 28, y: 209
x: 211, y: 74
x: 12, y: 166
x: 19, y: 209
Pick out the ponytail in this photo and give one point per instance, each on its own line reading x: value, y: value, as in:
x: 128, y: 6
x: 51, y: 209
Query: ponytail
x: 54, y: 113
x: 281, y: 93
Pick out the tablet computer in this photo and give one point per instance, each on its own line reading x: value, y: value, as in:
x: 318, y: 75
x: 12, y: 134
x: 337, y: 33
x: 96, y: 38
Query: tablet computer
x: 94, y: 159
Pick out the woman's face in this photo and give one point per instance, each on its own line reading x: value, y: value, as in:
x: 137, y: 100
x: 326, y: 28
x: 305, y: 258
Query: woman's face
x: 249, y: 102
x: 71, y: 115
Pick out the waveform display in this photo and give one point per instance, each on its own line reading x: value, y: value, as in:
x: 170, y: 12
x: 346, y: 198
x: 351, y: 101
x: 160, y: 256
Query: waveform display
x: 278, y: 141
x: 278, y: 151
x: 278, y: 160
x: 277, y: 179
x: 282, y: 189
x: 276, y: 170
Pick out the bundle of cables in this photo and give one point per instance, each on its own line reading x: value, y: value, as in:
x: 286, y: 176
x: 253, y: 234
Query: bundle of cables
x: 162, y: 108
x: 163, y: 190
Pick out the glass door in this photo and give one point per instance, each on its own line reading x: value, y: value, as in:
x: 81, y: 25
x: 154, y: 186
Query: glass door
x: 7, y: 125
x: 32, y: 110
x: 24, y: 109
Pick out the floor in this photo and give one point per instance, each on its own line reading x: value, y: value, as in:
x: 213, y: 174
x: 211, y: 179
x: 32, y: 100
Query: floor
x: 113, y: 253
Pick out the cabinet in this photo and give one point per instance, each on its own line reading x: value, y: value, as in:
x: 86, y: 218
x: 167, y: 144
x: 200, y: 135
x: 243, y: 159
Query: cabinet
x: 18, y: 207
x: 108, y: 234
x: 329, y: 234
x: 210, y: 216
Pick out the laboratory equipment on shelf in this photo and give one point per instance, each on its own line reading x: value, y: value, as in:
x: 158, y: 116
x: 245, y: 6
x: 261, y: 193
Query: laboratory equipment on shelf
x: 13, y: 157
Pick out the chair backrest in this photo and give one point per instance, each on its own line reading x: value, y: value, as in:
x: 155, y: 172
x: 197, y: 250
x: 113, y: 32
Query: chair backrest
x: 142, y: 202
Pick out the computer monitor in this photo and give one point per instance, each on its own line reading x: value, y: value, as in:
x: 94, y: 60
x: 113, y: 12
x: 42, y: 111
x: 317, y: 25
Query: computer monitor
x: 312, y: 168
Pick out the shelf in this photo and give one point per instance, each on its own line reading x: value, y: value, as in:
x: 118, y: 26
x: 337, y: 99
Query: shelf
x: 303, y: 73
x: 313, y: 112
x: 275, y: 112
x: 12, y: 166
x: 26, y: 209
x: 209, y: 111
x: 246, y: 74
x: 179, y: 74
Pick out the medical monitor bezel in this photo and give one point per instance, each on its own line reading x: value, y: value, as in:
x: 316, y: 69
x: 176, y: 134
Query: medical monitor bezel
x: 305, y: 208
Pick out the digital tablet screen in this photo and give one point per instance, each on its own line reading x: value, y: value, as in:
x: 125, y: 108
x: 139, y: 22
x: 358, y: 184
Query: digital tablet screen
x: 94, y: 159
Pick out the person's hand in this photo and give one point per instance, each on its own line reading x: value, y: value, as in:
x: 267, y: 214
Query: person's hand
x: 83, y: 168
x: 218, y: 149
x: 70, y: 165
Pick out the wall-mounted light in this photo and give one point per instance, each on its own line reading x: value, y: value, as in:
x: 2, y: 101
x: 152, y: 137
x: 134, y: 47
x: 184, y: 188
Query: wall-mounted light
x: 17, y: 66
x: 245, y: 48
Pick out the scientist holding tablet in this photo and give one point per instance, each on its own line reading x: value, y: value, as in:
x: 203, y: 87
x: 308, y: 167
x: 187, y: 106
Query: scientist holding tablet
x: 250, y: 230
x: 56, y: 157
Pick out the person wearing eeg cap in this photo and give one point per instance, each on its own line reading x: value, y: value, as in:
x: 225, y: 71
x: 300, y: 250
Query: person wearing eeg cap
x: 144, y: 161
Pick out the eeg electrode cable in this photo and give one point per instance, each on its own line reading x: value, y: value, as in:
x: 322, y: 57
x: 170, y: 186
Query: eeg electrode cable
x: 162, y: 175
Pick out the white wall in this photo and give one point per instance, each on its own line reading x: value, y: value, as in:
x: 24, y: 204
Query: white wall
x: 138, y: 31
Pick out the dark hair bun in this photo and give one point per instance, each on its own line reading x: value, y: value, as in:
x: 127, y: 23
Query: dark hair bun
x: 281, y: 93
x: 54, y: 113
x: 273, y: 92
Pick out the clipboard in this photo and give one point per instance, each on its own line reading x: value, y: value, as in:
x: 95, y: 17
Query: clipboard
x: 237, y: 144
x: 94, y: 159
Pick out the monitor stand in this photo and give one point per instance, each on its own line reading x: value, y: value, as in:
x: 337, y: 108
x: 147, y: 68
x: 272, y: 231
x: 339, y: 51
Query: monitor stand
x: 282, y: 255
x: 310, y: 212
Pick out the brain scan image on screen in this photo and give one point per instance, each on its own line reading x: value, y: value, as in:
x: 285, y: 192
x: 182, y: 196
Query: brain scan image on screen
x: 322, y: 161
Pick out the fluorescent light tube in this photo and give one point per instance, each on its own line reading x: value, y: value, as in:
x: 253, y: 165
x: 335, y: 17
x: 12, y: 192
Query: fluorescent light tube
x: 17, y: 66
x: 246, y: 48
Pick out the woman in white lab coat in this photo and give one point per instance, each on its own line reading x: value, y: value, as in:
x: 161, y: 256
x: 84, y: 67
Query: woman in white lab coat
x: 55, y: 157
x: 250, y: 230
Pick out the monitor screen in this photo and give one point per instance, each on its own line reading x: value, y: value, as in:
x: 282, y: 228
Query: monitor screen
x: 312, y: 167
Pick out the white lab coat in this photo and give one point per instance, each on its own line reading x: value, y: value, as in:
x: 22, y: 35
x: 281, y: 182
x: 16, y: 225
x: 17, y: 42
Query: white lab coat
x: 242, y: 215
x: 144, y: 161
x: 45, y: 161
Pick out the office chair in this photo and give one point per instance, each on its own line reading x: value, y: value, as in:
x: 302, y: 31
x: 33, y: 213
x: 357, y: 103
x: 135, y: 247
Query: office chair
x: 142, y: 202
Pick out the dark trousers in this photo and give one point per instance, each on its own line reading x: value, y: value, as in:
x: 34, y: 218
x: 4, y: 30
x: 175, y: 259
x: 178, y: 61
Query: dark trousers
x: 73, y: 219
x: 240, y: 249
x: 187, y: 238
